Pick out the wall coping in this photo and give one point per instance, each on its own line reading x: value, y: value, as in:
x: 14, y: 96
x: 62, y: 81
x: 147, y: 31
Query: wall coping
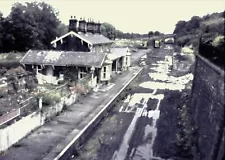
x: 213, y: 66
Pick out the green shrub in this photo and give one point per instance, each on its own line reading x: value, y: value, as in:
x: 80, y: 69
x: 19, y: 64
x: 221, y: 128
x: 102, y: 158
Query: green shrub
x: 49, y: 98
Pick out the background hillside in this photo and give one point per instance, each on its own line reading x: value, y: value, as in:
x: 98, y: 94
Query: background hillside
x: 210, y: 26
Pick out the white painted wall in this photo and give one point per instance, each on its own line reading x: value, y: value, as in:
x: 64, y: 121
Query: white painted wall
x: 108, y: 72
x: 13, y: 133
x: 42, y: 79
x: 126, y: 62
x: 49, y: 71
x: 18, y: 130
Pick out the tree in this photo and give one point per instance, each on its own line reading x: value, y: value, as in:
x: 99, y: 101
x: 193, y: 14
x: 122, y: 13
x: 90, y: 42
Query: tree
x: 150, y: 34
x: 194, y: 23
x: 119, y: 34
x: 62, y: 29
x: 108, y: 30
x: 180, y: 28
x: 30, y: 26
x: 1, y: 31
x: 157, y: 33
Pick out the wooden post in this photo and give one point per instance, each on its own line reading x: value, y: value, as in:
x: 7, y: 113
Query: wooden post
x: 40, y: 103
x: 116, y: 65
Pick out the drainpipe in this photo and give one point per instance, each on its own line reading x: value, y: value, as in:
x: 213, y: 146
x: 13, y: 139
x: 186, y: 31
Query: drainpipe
x: 116, y: 65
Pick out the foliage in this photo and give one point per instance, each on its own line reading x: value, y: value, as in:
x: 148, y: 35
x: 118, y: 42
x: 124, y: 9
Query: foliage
x: 150, y: 34
x: 188, y: 32
x: 157, y: 33
x: 49, y: 98
x: 111, y: 32
x: 29, y: 26
x: 62, y: 29
x: 69, y: 74
x: 16, y: 71
x: 30, y: 83
x: 108, y: 30
x: 213, y: 50
x: 218, y: 40
x: 10, y: 64
x: 185, y: 138
x: 1, y: 31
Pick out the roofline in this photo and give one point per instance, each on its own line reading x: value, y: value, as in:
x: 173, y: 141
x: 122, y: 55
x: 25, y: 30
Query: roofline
x: 103, y: 43
x: 71, y: 32
x: 60, y: 65
x: 77, y: 35
x: 103, y: 60
x: 25, y: 55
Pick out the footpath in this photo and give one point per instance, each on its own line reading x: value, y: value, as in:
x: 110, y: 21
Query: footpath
x: 50, y: 139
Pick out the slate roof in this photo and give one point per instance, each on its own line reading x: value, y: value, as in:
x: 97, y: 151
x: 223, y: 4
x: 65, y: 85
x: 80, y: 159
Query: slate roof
x: 64, y: 58
x: 92, y: 39
x: 117, y: 53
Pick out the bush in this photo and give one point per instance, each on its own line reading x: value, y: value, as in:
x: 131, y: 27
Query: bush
x: 10, y: 64
x: 30, y: 83
x: 49, y: 99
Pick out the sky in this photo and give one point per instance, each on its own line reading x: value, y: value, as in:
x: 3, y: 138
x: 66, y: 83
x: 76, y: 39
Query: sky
x: 137, y: 16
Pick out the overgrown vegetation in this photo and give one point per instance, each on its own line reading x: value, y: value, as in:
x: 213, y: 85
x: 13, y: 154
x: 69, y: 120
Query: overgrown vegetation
x: 111, y: 32
x: 184, y: 139
x: 49, y: 99
x: 189, y: 32
x: 213, y: 50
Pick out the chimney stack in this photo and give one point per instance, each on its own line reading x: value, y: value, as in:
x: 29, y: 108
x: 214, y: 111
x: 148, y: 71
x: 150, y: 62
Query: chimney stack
x: 98, y: 27
x: 82, y: 25
x: 90, y: 26
x: 73, y: 24
x: 95, y: 27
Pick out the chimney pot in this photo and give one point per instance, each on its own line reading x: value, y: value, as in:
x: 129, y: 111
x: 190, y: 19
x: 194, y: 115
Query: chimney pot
x: 82, y: 27
x: 73, y: 24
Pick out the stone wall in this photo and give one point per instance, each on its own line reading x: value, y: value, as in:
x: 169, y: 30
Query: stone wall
x: 208, y: 110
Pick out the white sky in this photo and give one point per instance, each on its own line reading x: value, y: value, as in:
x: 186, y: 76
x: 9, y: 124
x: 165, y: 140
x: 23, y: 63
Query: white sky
x: 138, y: 16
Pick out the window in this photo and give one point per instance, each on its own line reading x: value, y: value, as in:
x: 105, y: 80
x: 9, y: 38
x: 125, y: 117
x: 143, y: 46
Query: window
x: 126, y: 60
x: 82, y: 73
x: 104, y: 72
x: 104, y: 69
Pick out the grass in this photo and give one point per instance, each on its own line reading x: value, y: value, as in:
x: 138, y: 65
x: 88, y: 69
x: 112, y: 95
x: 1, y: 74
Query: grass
x: 217, y: 41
